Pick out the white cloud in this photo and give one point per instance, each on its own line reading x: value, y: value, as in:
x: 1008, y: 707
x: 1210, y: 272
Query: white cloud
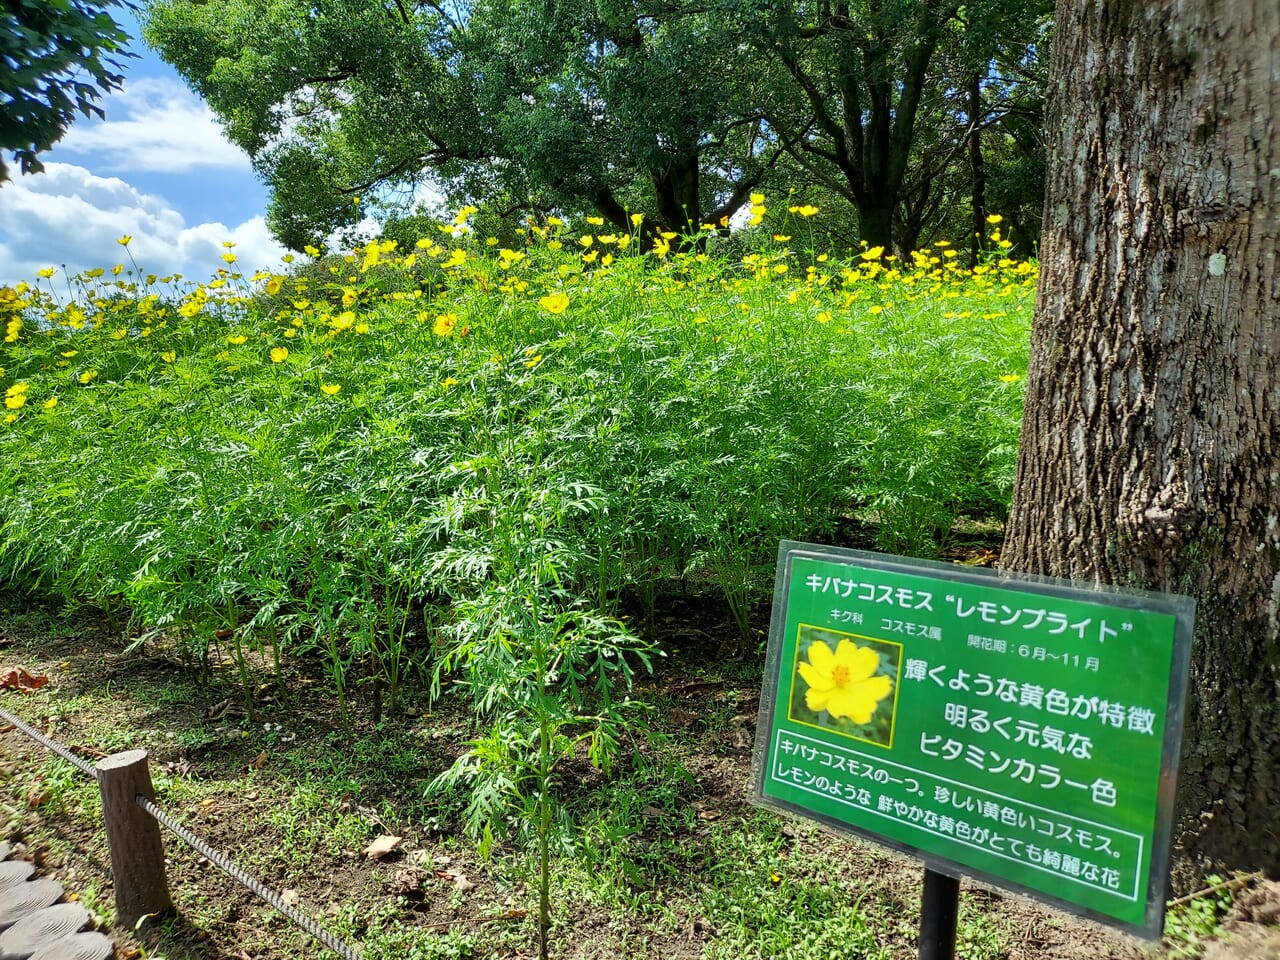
x: 68, y: 215
x: 153, y: 125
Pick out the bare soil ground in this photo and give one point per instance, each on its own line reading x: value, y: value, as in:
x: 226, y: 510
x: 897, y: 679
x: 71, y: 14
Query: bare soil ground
x: 296, y: 800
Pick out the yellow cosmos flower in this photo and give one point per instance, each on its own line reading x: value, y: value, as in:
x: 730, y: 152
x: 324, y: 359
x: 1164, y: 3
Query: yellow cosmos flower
x: 533, y: 361
x: 279, y: 354
x: 330, y: 389
x: 15, y: 402
x: 169, y: 356
x: 16, y: 390
x: 1010, y: 378
x: 349, y: 297
x: 229, y: 257
x: 757, y: 199
x: 586, y: 240
x: 362, y: 328
x: 46, y: 273
x: 10, y: 417
x: 807, y: 210
x: 843, y: 681
x: 50, y: 403
x: 444, y: 324
x: 994, y: 218
x: 875, y: 253
x: 449, y: 382
x: 637, y: 219
x: 125, y: 240
x: 88, y: 377
x: 274, y: 285
x: 556, y: 302
x: 236, y: 339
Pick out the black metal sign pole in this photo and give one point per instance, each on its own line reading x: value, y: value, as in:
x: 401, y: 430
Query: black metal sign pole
x: 939, y: 909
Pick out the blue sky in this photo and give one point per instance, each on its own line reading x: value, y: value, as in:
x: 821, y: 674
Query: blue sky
x: 158, y: 169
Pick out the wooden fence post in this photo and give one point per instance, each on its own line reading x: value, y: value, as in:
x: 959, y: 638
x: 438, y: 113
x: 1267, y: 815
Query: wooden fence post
x: 137, y: 856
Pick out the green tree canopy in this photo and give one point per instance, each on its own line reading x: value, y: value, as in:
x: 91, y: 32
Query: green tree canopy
x: 57, y: 57
x: 592, y: 105
x: 883, y: 120
x: 679, y: 108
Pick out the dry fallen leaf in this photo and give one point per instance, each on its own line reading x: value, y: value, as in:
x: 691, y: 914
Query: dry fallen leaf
x: 460, y: 880
x: 177, y: 768
x: 17, y: 678
x: 290, y: 897
x: 259, y: 761
x: 382, y: 846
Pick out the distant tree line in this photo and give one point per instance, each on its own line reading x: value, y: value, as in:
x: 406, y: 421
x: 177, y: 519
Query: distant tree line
x: 904, y: 119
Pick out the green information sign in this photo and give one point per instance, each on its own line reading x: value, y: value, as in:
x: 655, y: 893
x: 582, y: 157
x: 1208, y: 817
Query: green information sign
x: 1023, y: 731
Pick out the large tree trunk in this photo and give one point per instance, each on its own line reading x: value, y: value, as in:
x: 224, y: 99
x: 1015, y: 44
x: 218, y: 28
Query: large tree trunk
x: 1151, y: 442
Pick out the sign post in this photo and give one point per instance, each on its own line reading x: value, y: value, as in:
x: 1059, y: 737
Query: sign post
x: 1023, y: 731
x: 939, y: 911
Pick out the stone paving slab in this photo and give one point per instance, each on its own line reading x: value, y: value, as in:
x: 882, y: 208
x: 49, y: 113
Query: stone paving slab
x: 35, y: 920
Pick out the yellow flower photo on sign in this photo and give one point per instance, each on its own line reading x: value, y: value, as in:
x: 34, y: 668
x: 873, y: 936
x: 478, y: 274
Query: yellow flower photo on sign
x: 846, y: 684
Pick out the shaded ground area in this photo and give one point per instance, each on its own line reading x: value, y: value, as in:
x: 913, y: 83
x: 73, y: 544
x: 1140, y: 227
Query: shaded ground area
x: 669, y: 858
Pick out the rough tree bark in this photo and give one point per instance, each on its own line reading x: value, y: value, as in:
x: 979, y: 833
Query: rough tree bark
x: 1151, y: 441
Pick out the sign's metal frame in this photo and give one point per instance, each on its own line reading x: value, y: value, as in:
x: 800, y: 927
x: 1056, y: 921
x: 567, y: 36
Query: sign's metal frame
x: 1181, y: 608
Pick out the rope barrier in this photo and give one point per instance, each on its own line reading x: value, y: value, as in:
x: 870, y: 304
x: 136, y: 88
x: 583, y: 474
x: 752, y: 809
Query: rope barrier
x: 263, y: 892
x: 219, y: 860
x: 52, y: 745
